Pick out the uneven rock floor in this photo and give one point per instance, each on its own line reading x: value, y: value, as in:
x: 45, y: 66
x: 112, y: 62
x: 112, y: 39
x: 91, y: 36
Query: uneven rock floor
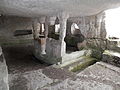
x: 26, y: 73
x: 20, y: 58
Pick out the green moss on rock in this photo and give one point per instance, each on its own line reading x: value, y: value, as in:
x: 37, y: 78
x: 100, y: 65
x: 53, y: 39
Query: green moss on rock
x: 87, y: 62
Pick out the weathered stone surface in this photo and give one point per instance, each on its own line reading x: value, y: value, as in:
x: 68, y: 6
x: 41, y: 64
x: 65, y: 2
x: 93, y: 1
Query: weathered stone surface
x: 96, y: 43
x: 53, y: 48
x: 22, y: 32
x: 88, y: 53
x: 3, y: 73
x: 91, y: 26
x: 93, y: 30
x: 111, y: 58
x: 99, y: 76
x: 31, y: 80
x: 53, y: 51
x: 99, y: 44
x: 9, y: 24
x: 38, y: 77
x: 68, y: 29
x: 96, y: 54
x: 82, y: 45
x: 73, y: 40
x: 113, y: 45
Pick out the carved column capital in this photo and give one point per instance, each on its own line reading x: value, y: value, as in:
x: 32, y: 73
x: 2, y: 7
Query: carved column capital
x: 42, y: 19
x: 52, y: 20
x: 63, y: 16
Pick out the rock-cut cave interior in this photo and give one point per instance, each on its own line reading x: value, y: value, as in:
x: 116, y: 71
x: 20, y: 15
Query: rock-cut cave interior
x: 59, y: 44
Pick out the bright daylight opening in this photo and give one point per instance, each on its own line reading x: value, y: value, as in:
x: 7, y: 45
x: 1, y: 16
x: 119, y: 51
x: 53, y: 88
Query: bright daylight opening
x: 74, y: 26
x: 57, y: 28
x: 113, y: 23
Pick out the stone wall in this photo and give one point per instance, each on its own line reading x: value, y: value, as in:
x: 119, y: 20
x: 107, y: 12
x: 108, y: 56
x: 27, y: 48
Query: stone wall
x: 94, y: 32
x: 91, y: 26
x: 9, y: 24
x: 3, y: 72
x: 111, y: 57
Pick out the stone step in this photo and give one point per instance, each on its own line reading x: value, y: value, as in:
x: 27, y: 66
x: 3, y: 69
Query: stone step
x: 77, y: 61
x: 81, y: 64
x: 72, y: 57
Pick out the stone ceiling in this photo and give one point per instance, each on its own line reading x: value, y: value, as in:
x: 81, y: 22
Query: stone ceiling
x: 36, y: 8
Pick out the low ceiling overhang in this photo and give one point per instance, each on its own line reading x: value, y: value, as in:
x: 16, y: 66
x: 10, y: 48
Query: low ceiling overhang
x: 37, y: 8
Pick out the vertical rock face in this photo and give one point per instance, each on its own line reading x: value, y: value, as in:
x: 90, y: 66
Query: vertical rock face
x: 111, y: 59
x: 9, y: 24
x: 91, y: 26
x: 3, y: 73
x: 48, y: 49
x: 94, y: 32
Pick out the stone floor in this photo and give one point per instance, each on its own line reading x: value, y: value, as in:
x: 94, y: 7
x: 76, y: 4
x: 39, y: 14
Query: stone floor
x: 25, y: 73
x: 19, y: 58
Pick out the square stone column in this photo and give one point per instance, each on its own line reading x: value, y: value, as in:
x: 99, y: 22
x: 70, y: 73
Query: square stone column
x: 39, y: 41
x: 63, y: 23
x: 36, y: 28
x: 46, y: 27
x: 43, y: 40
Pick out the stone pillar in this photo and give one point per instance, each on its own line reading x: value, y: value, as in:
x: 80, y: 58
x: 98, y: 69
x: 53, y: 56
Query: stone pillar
x: 43, y: 39
x: 99, y: 20
x: 63, y: 21
x: 46, y: 27
x: 3, y: 72
x: 103, y: 32
x: 69, y: 24
x: 39, y: 43
x: 52, y: 20
x: 36, y: 28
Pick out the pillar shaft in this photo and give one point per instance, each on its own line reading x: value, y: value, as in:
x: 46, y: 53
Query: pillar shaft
x: 43, y: 40
x: 62, y: 30
x: 36, y: 29
x: 63, y: 21
x: 46, y: 27
x: 40, y: 43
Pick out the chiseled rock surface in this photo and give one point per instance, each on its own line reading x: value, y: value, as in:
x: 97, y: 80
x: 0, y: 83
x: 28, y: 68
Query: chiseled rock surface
x: 111, y: 57
x: 104, y: 76
x: 37, y: 8
x: 29, y: 75
x: 3, y: 72
x: 100, y: 76
x: 91, y: 26
x: 37, y: 79
x: 28, y: 81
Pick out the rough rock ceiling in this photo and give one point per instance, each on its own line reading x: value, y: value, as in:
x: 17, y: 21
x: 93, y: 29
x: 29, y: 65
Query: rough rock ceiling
x: 33, y: 8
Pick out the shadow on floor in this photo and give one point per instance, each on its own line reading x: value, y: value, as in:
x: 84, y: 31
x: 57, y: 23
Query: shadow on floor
x: 20, y: 59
